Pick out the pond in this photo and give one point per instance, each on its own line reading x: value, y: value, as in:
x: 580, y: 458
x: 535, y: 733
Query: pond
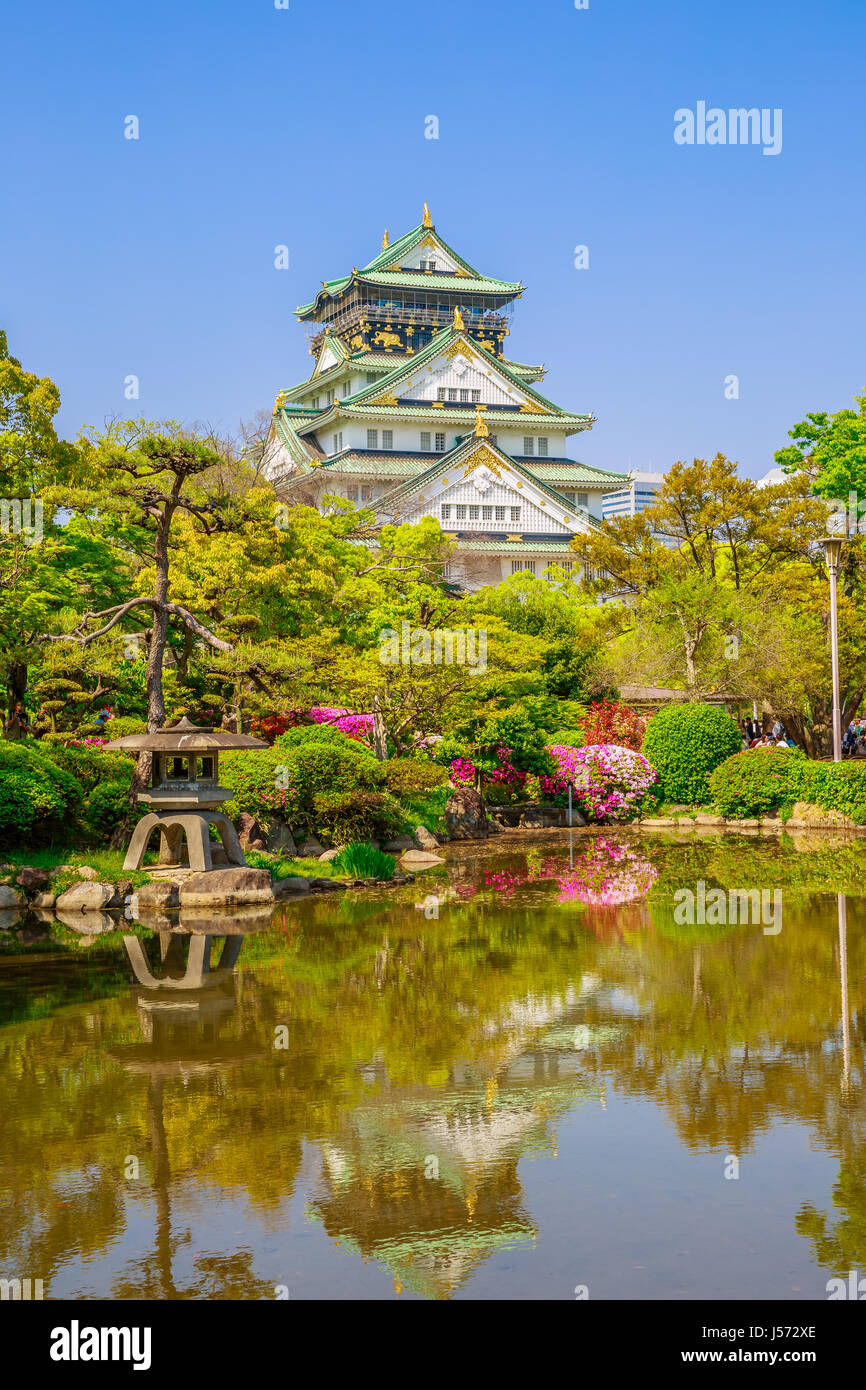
x: 564, y: 1064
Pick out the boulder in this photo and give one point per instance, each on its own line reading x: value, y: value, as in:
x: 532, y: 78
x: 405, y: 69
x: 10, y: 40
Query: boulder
x: 87, y: 873
x: 465, y: 815
x: 86, y: 897
x: 9, y: 897
x: 32, y: 880
x: 329, y: 855
x: 123, y: 887
x: 161, y: 895
x: 311, y: 849
x: 532, y: 820
x: 399, y: 843
x: 291, y: 887
x: 326, y: 885
x: 704, y: 818
x: 226, y: 887
x: 250, y: 833
x: 806, y: 814
x: 281, y: 840
x: 426, y: 839
x: 420, y: 859
x: 58, y: 870
x: 44, y: 900
x: 218, y: 857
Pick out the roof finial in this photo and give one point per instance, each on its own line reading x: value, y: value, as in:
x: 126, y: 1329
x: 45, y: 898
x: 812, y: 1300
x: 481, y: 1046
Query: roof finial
x: 458, y: 319
x: 428, y: 220
x: 385, y: 242
x: 481, y: 429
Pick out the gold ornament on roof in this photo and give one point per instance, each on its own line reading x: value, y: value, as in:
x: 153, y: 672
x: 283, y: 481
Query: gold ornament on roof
x: 385, y: 241
x: 480, y: 425
x: 458, y: 319
x: 427, y: 219
x: 281, y: 399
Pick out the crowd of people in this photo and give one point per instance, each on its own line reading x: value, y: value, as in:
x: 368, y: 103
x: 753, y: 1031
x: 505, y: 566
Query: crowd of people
x: 854, y: 739
x: 755, y: 737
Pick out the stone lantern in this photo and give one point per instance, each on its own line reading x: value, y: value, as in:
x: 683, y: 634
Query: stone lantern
x: 185, y: 793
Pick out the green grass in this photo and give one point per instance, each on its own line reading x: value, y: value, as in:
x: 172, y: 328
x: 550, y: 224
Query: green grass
x: 108, y: 864
x: 291, y: 868
x: 363, y: 861
x: 427, y: 809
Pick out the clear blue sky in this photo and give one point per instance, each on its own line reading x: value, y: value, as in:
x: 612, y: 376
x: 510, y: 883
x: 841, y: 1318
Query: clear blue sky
x: 305, y: 126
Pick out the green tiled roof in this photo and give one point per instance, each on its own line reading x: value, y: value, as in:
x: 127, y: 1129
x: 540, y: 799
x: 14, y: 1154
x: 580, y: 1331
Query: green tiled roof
x: 445, y: 462
x: 572, y: 472
x: 405, y: 243
x: 460, y: 420
x: 514, y: 547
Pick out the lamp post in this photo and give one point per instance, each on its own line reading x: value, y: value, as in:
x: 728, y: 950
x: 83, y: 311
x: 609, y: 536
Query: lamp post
x: 832, y: 554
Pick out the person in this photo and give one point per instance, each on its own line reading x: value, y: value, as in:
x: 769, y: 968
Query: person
x: 778, y: 730
x: 102, y: 718
x: 18, y: 724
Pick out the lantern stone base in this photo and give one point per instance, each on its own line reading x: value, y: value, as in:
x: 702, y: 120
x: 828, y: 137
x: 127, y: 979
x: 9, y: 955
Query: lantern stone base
x: 194, y: 826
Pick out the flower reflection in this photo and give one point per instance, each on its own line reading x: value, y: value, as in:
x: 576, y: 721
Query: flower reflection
x: 608, y: 874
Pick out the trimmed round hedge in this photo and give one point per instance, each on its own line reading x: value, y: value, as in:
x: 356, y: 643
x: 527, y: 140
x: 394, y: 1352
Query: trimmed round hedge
x: 36, y: 797
x: 685, y: 743
x: 757, y: 781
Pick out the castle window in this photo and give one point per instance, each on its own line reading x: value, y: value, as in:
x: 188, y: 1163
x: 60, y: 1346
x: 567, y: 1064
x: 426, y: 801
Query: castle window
x: 528, y: 444
x: 445, y: 511
x: 425, y: 442
x: 473, y: 513
x: 499, y: 513
x: 338, y: 442
x: 452, y: 393
x: 515, y: 513
x: 315, y: 402
x: 583, y: 499
x: 366, y: 494
x: 372, y: 439
x: 441, y: 394
x: 440, y: 443
x: 387, y: 439
x: 568, y: 494
x: 518, y: 565
x: 542, y: 446
x: 461, y: 513
x: 352, y: 493
x: 330, y: 397
x: 476, y: 397
x: 464, y: 394
x: 428, y: 265
x: 372, y: 378
x: 486, y: 513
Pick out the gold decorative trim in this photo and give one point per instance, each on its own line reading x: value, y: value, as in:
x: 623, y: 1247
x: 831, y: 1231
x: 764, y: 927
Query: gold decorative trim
x: 386, y: 399
x: 460, y: 349
x: 427, y: 220
x: 530, y: 408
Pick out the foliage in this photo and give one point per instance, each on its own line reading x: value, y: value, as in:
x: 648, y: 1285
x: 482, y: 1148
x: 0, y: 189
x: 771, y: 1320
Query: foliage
x: 36, y: 797
x: 831, y: 450
x: 757, y: 782
x: 348, y: 815
x: 362, y: 860
x: 413, y: 776
x: 88, y: 765
x: 610, y: 782
x: 107, y: 805
x: 685, y: 743
x: 612, y: 721
x: 303, y: 764
x: 498, y: 747
x: 836, y: 787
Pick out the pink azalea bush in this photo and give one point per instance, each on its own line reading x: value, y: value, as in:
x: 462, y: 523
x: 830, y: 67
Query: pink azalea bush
x: 463, y: 772
x: 353, y: 725
x: 609, y: 781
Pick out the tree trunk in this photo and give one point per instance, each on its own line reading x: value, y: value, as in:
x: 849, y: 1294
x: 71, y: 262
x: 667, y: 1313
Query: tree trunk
x: 380, y: 741
x: 16, y: 688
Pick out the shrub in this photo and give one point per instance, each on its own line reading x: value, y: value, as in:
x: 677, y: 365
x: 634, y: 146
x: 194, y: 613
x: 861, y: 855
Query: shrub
x: 36, y: 797
x: 610, y: 783
x: 107, y: 804
x: 123, y: 724
x: 413, y: 776
x: 685, y: 743
x: 610, y: 721
x: 835, y: 787
x: 302, y: 764
x: 758, y: 781
x: 90, y: 765
x: 568, y: 738
x: 363, y: 861
x: 349, y: 815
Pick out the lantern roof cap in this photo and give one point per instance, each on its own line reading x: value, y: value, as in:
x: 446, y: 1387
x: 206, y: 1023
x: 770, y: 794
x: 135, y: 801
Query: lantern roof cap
x: 184, y: 737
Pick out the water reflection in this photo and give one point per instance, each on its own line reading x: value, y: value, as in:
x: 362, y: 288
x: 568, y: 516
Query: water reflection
x: 450, y: 1050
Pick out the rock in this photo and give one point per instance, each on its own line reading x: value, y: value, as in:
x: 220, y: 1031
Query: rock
x: 291, y: 887
x: 399, y: 843
x: 465, y: 815
x: 311, y: 849
x: 161, y: 895
x: 532, y: 820
x: 225, y: 887
x: 420, y: 859
x: 250, y: 833
x: 58, y: 870
x: 281, y: 840
x: 748, y: 823
x: 650, y: 822
x: 704, y: 818
x: 123, y: 888
x: 44, y: 900
x: 90, y: 875
x: 218, y: 857
x: 31, y: 879
x: 8, y: 917
x: 9, y: 897
x: 807, y: 814
x: 326, y: 885
x: 425, y: 838
x: 329, y: 855
x: 86, y: 897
